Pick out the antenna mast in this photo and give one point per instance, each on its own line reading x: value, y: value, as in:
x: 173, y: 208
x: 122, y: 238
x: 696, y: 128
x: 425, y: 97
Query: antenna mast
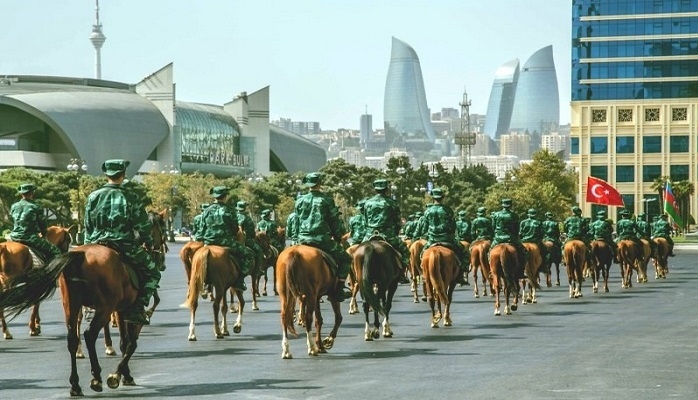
x: 97, y: 38
x: 466, y: 139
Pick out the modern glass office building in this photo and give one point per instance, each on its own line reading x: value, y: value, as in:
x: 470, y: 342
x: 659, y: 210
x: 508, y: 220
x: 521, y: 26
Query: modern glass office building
x: 635, y: 95
x: 406, y: 115
x: 537, y: 101
x: 501, y: 101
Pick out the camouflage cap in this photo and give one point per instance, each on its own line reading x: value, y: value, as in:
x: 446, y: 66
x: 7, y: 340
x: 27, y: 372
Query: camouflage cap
x: 26, y: 188
x: 380, y: 184
x: 204, y: 206
x: 461, y: 213
x: 312, y: 179
x: 241, y: 205
x: 532, y: 212
x: 506, y: 202
x: 437, y: 193
x: 549, y: 214
x: 113, y: 167
x: 481, y: 210
x: 219, y: 191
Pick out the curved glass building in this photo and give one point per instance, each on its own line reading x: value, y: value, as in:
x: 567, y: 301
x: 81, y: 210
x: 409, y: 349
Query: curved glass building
x: 406, y: 116
x: 537, y: 102
x: 501, y: 102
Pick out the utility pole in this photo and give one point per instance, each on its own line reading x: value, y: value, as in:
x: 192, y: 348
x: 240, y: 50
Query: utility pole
x: 466, y: 139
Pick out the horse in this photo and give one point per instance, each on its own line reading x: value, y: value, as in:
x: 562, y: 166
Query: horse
x: 478, y: 261
x: 574, y: 255
x: 303, y: 273
x: 376, y: 267
x: 532, y: 268
x: 644, y: 261
x: 14, y: 262
x: 603, y: 255
x: 212, y: 265
x: 186, y: 253
x: 504, y: 264
x: 661, y: 259
x: 440, y: 269
x: 271, y: 254
x: 629, y: 255
x: 554, y: 257
x: 416, y: 270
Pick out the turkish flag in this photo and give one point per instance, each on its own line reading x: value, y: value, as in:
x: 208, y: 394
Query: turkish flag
x: 600, y: 192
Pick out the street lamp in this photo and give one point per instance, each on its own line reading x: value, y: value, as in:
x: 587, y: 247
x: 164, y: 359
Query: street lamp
x: 645, y: 207
x: 172, y: 170
x: 79, y: 167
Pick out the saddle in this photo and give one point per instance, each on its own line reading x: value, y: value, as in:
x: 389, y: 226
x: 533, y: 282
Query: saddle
x: 134, y: 274
x: 38, y: 260
x: 377, y: 236
x: 449, y: 246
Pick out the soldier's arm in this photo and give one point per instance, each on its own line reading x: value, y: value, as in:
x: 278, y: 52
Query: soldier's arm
x: 141, y: 224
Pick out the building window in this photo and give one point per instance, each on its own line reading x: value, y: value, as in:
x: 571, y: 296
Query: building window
x: 679, y: 114
x: 625, y: 115
x: 599, y: 145
x: 678, y: 172
x: 651, y: 115
x: 652, y: 144
x: 651, y: 172
x: 625, y: 173
x: 599, y: 171
x: 598, y: 115
x: 625, y: 144
x: 574, y: 145
x: 678, y: 144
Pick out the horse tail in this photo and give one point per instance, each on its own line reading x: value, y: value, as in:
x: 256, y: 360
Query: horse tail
x: 199, y: 265
x: 436, y: 276
x: 530, y: 271
x: 366, y: 287
x: 38, y: 284
x: 289, y: 293
x: 507, y: 259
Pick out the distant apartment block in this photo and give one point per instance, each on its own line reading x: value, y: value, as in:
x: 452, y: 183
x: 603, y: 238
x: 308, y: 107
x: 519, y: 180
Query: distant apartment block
x: 298, y: 127
x: 483, y: 145
x: 555, y: 143
x: 515, y: 144
x: 366, y: 128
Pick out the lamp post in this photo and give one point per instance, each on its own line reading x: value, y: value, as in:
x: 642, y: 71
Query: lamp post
x: 172, y: 170
x: 79, y: 167
x: 645, y: 207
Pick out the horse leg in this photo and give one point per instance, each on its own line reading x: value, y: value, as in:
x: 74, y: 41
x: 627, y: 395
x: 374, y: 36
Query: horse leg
x: 237, y: 328
x: 507, y: 293
x: 266, y: 279
x: 557, y: 277
x: 310, y: 304
x: 5, y: 331
x: 109, y: 348
x: 219, y: 293
x: 495, y: 292
x: 100, y: 319
x: 328, y: 342
x: 447, y: 311
x: 71, y: 317
x: 367, y: 325
x: 34, y: 325
x: 255, y: 291
x: 224, y: 317
x: 376, y: 323
x: 129, y: 336
x: 387, y: 331
x: 192, y: 323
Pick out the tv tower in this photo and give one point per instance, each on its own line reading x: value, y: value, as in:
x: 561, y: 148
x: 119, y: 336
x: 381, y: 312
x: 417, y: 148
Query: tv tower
x: 97, y: 38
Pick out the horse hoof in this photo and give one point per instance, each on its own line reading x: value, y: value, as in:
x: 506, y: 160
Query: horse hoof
x: 286, y: 356
x: 192, y: 338
x: 434, y: 325
x: 328, y: 342
x: 514, y: 307
x: 557, y: 283
x: 605, y: 290
x: 76, y: 392
x: 110, y: 351
x: 534, y: 301
x: 448, y: 322
x: 8, y: 336
x: 96, y: 385
x: 424, y: 298
x: 387, y: 334
x: 312, y: 352
x: 237, y: 328
x: 264, y: 293
x: 416, y: 301
x: 596, y: 290
x: 113, y: 381
x: 376, y: 334
x: 79, y: 355
x: 35, y: 332
x: 128, y: 382
x: 255, y: 308
x: 226, y: 333
x: 368, y: 337
x: 219, y: 336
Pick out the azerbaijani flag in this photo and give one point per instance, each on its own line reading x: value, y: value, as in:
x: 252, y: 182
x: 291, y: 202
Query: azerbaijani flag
x: 670, y: 206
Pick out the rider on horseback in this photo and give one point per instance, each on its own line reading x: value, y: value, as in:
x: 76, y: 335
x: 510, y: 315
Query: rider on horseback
x: 382, y: 218
x: 266, y: 224
x: 357, y: 224
x: 408, y: 228
x: 602, y: 230
x: 663, y: 229
x: 30, y: 221
x: 463, y: 227
x: 319, y: 226
x: 245, y: 222
x: 531, y: 231
x: 551, y: 233
x: 626, y: 229
x: 644, y: 231
x: 481, y: 227
x: 576, y: 227
x: 198, y: 221
x: 506, y: 230
x: 116, y: 219
x: 220, y: 228
x: 441, y: 229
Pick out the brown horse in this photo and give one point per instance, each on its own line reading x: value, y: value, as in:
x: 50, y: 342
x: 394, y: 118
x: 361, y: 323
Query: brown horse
x: 478, y: 261
x: 90, y: 275
x: 186, y: 254
x: 661, y: 259
x: 504, y: 264
x: 603, y: 255
x: 303, y: 273
x: 416, y: 269
x: 440, y: 269
x: 532, y: 269
x: 213, y: 265
x: 376, y: 267
x: 644, y: 261
x: 554, y: 257
x: 271, y: 253
x: 574, y: 255
x: 630, y: 256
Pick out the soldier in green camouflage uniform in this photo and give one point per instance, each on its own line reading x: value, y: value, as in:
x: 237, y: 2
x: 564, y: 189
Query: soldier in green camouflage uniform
x: 663, y: 229
x: 357, y: 224
x: 601, y: 229
x: 30, y: 221
x: 382, y: 216
x: 291, y: 228
x: 481, y: 226
x: 319, y: 226
x: 116, y: 219
x: 220, y: 228
x: 463, y: 227
x: 408, y: 228
x: 505, y: 224
x: 247, y: 225
x: 198, y: 220
x: 268, y: 225
x: 551, y: 233
x: 531, y: 231
x: 626, y: 229
x: 441, y: 229
x: 575, y: 227
x: 418, y: 228
x: 644, y: 231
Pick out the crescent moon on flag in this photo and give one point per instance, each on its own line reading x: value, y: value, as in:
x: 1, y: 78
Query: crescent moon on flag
x: 593, y: 191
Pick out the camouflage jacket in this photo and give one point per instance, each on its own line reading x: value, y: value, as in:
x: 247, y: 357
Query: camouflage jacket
x: 318, y: 218
x: 29, y: 220
x: 381, y: 214
x: 441, y: 226
x: 463, y: 230
x: 220, y: 225
x: 113, y: 214
x: 531, y: 231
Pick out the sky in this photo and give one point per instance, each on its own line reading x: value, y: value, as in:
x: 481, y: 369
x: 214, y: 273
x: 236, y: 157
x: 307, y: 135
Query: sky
x: 324, y: 60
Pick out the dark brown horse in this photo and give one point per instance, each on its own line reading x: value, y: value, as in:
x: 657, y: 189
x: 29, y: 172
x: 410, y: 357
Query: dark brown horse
x: 644, y: 261
x: 630, y: 256
x: 603, y: 255
x: 504, y: 265
x: 574, y: 254
x: 376, y: 267
x: 302, y: 273
x: 416, y: 269
x: 554, y: 257
x: 534, y: 263
x: 212, y: 265
x: 271, y: 253
x: 440, y: 269
x: 661, y: 259
x: 479, y: 262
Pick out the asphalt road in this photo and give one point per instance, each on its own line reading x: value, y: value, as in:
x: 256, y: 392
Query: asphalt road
x: 637, y: 343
